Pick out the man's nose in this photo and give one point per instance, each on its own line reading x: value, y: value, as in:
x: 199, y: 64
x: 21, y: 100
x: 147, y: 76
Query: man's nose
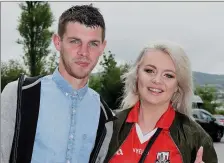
x: 83, y: 51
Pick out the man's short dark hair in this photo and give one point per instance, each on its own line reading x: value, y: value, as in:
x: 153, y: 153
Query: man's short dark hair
x: 84, y: 14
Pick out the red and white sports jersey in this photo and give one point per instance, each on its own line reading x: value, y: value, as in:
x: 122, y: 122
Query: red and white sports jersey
x: 163, y: 149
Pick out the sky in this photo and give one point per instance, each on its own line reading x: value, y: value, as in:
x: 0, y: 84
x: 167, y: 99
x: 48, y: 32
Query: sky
x: 197, y: 26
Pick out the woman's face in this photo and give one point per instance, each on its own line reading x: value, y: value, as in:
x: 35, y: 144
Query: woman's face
x: 156, y: 78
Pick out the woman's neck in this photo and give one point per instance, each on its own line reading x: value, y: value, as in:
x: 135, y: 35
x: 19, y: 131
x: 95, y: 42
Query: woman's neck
x: 149, y: 115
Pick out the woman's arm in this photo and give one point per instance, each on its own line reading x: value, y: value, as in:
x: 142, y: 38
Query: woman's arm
x: 209, y: 153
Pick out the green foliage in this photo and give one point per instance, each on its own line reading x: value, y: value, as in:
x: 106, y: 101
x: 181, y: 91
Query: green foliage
x: 35, y: 19
x: 108, y: 83
x: 10, y: 71
x: 50, y: 64
x: 209, y: 96
x: 220, y: 112
x: 94, y: 82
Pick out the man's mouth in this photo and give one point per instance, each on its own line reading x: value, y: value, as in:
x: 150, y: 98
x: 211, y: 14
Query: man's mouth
x: 83, y: 64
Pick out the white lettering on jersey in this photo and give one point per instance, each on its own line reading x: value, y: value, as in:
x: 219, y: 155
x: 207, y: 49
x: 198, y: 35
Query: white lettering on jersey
x: 119, y: 152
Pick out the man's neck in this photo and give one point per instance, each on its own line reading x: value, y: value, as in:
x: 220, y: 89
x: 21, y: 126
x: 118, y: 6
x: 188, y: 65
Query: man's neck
x: 76, y: 83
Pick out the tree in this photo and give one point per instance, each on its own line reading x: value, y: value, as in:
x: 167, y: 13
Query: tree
x: 108, y: 83
x: 209, y: 97
x: 220, y: 112
x: 34, y: 23
x: 10, y: 71
x: 50, y: 64
x: 94, y: 82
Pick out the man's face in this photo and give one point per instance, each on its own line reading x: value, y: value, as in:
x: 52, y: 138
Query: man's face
x: 80, y: 49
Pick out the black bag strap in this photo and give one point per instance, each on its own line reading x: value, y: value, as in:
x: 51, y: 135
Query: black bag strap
x: 149, y: 145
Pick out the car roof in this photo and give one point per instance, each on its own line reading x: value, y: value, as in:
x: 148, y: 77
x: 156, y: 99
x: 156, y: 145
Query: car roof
x: 202, y: 110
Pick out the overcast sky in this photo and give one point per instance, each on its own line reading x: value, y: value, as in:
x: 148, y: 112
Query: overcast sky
x: 197, y: 26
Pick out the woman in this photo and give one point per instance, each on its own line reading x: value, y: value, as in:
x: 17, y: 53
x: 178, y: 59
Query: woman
x: 154, y: 125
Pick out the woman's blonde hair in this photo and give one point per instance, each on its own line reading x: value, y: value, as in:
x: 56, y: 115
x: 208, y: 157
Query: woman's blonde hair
x: 182, y: 99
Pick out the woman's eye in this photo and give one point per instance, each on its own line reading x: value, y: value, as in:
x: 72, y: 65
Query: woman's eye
x: 169, y: 76
x: 149, y: 71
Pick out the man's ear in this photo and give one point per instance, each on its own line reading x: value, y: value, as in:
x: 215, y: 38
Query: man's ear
x: 57, y: 41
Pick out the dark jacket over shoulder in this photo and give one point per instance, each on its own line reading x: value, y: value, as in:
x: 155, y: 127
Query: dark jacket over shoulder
x: 187, y: 135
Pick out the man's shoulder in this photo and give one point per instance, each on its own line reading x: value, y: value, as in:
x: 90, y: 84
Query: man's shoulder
x: 103, y: 105
x: 45, y: 77
x: 94, y: 93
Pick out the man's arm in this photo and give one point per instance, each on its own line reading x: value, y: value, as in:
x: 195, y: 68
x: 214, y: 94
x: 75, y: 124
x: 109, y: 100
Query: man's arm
x: 8, y: 116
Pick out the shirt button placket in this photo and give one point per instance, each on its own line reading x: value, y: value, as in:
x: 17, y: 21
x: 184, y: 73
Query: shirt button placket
x: 72, y: 130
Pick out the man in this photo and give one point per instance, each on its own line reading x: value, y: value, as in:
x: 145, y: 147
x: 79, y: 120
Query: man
x: 58, y: 118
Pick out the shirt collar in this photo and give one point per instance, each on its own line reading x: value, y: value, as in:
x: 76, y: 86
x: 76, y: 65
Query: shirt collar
x: 133, y: 114
x: 164, y: 122
x: 66, y: 87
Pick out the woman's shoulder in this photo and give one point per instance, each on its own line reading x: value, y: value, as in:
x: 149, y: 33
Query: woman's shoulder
x: 190, y: 128
x: 188, y: 123
x: 121, y: 112
x: 121, y: 117
x: 194, y: 135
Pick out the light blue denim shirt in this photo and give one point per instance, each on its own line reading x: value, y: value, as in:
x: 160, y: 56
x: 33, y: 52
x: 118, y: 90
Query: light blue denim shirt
x: 67, y: 123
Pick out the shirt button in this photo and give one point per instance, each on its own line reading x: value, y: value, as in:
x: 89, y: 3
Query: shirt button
x: 74, y: 111
x: 67, y: 161
x: 66, y: 94
x: 71, y: 136
x: 69, y: 146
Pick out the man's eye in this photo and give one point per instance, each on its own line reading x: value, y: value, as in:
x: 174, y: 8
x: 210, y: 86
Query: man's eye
x: 75, y: 41
x: 93, y: 44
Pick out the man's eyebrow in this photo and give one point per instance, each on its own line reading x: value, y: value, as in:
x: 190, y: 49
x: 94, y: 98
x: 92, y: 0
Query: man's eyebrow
x: 98, y: 41
x: 73, y: 38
